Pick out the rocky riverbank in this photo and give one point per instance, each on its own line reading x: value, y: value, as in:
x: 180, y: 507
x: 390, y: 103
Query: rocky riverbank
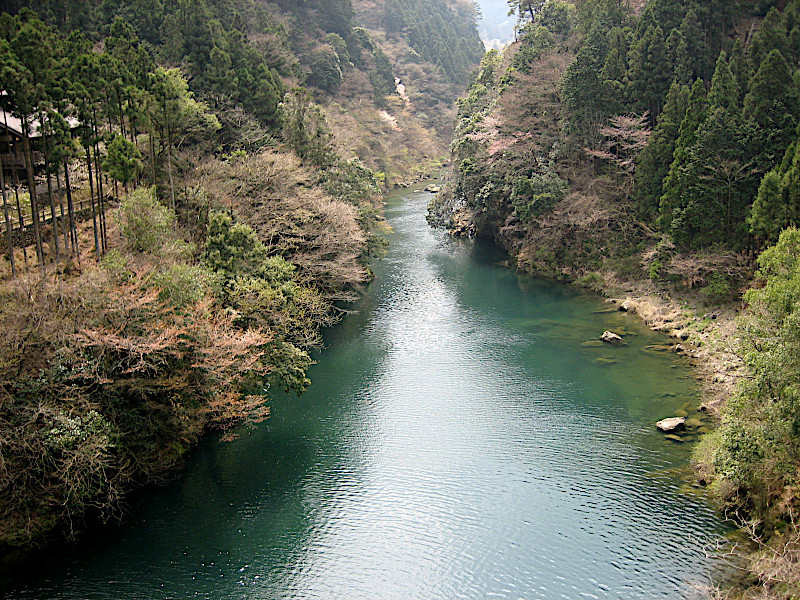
x: 706, y: 336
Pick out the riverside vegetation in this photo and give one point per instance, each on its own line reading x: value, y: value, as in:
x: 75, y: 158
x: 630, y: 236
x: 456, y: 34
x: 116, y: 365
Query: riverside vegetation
x: 655, y: 146
x: 228, y: 219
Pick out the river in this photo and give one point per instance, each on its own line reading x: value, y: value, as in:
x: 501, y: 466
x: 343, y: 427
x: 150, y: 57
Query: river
x: 465, y: 436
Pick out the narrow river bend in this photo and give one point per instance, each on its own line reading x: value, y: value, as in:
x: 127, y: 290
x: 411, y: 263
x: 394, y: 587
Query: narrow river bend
x: 464, y: 437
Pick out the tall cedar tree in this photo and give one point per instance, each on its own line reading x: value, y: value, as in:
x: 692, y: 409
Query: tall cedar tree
x: 657, y: 157
x: 674, y: 182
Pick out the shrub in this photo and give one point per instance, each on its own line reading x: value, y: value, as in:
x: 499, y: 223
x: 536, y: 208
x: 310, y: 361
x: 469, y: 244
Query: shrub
x: 146, y: 225
x: 718, y: 288
x: 116, y: 264
x: 590, y: 281
x: 654, y: 270
x: 181, y: 285
x: 538, y: 194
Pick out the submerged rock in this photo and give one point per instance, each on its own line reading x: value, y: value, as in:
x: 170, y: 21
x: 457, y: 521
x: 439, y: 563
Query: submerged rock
x: 671, y: 424
x: 609, y: 337
x: 657, y: 348
x: 604, y: 361
x: 674, y: 438
x: 592, y: 344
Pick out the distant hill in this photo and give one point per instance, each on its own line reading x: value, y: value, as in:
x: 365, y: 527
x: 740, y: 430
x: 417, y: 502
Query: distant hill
x: 495, y: 26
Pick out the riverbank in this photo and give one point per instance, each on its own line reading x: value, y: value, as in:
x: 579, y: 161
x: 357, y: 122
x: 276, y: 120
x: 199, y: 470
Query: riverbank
x: 705, y: 334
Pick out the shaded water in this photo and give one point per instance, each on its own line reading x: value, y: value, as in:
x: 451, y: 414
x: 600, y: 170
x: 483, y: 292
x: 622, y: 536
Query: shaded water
x: 461, y: 440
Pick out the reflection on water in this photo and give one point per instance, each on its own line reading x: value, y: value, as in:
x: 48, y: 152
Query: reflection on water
x: 465, y: 437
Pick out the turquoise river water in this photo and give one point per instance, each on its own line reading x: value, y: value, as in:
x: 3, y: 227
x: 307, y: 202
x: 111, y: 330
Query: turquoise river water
x: 465, y: 437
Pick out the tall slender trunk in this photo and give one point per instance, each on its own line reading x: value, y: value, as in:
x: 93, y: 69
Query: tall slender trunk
x: 46, y: 143
x: 20, y: 216
x: 153, y: 154
x: 73, y: 229
x: 94, y: 208
x: 101, y: 201
x: 64, y: 226
x: 121, y: 114
x: 169, y: 168
x: 56, y: 246
x: 9, y: 232
x: 101, y: 208
x: 37, y: 233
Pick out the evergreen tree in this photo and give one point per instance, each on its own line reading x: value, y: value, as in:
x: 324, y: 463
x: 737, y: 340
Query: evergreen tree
x: 697, y: 53
x: 769, y: 213
x: 122, y: 161
x: 711, y: 187
x: 770, y: 36
x: 583, y: 91
x: 615, y: 69
x: 724, y: 92
x: 656, y: 158
x: 772, y: 105
x: 675, y: 182
x: 777, y: 204
x: 649, y: 72
x: 679, y: 57
x: 524, y: 9
x: 717, y: 184
x: 740, y: 68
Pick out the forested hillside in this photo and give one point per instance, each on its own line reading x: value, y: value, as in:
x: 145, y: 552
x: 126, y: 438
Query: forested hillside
x: 654, y: 145
x: 206, y: 178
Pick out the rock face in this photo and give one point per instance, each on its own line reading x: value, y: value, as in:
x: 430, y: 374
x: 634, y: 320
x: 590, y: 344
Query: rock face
x: 671, y: 424
x: 609, y: 337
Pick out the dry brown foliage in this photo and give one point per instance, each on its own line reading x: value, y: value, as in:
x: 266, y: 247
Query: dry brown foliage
x: 274, y: 194
x: 103, y: 386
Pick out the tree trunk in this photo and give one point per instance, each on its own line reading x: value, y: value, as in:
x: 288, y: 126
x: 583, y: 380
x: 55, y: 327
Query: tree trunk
x: 20, y: 216
x: 101, y: 201
x: 53, y: 216
x: 64, y: 226
x: 153, y: 155
x: 94, y: 208
x: 37, y: 233
x: 73, y: 229
x: 101, y: 209
x: 9, y: 232
x: 169, y: 168
x: 50, y: 197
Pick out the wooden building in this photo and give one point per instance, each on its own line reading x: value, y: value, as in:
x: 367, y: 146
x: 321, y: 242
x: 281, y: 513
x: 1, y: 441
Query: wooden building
x: 12, y: 154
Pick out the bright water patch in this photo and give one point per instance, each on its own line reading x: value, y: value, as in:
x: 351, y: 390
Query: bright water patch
x: 461, y: 440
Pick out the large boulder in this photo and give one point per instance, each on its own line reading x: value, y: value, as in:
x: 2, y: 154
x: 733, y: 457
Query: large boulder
x: 671, y: 424
x: 609, y: 337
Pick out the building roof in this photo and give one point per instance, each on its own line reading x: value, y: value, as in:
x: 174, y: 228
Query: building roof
x: 12, y: 124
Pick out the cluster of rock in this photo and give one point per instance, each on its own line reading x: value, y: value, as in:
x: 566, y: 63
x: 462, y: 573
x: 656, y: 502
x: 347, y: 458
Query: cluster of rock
x: 670, y: 426
x: 609, y: 337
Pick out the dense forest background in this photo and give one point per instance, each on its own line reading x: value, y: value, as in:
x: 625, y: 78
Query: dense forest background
x: 653, y: 147
x: 193, y: 195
